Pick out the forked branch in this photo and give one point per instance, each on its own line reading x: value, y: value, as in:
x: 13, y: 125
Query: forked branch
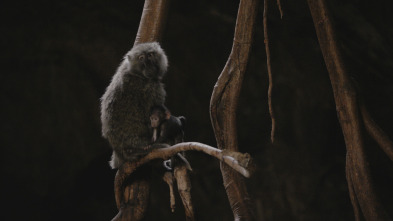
x: 350, y: 112
x: 238, y: 161
x: 377, y: 133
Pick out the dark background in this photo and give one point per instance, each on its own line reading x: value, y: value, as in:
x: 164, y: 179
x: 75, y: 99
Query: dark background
x: 58, y: 57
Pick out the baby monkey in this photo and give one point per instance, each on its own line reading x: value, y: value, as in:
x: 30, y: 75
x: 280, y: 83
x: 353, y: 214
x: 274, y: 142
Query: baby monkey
x: 168, y: 129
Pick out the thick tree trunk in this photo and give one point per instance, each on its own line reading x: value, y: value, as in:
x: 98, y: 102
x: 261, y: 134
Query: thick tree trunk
x: 364, y: 200
x: 223, y: 106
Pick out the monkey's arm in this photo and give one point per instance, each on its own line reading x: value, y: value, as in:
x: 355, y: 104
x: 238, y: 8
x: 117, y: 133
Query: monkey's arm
x: 164, y: 136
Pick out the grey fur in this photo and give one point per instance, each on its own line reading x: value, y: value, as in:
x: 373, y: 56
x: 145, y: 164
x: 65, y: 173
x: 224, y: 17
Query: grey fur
x: 125, y: 106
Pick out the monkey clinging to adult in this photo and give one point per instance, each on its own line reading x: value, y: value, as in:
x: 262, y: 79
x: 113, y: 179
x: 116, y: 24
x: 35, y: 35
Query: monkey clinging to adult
x: 126, y: 103
x: 168, y: 129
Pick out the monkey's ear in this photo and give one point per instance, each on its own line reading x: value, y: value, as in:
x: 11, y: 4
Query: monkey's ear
x: 129, y: 58
x: 167, y: 114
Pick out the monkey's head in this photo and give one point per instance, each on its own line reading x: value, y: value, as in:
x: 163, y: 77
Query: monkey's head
x: 148, y: 60
x: 158, y: 114
x: 156, y: 119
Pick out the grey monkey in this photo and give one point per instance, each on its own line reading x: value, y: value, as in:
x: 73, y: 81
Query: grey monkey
x: 126, y: 103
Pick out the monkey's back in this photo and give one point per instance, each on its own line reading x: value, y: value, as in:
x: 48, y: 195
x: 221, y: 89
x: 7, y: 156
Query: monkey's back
x: 125, y: 109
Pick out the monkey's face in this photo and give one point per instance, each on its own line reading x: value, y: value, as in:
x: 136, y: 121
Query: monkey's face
x: 149, y: 65
x: 155, y: 121
x: 148, y: 60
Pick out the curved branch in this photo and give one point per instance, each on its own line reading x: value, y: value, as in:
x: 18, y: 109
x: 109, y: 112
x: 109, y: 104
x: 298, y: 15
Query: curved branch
x: 223, y: 105
x: 377, y: 133
x: 238, y: 161
x: 363, y: 195
x: 153, y: 21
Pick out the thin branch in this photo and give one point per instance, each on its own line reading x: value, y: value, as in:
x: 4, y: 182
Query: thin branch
x: 377, y: 133
x: 279, y: 8
x: 233, y: 159
x: 269, y: 68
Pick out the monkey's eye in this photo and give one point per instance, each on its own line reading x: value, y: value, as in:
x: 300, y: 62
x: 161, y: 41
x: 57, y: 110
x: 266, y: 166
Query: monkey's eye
x: 149, y: 55
x: 141, y: 57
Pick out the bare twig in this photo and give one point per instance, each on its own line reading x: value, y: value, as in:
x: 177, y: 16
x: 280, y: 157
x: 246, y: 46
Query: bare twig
x: 377, y: 133
x: 269, y: 68
x: 279, y: 8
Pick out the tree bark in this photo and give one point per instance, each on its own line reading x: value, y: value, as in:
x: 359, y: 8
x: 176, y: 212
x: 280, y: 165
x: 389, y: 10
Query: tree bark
x: 223, y: 107
x: 363, y: 197
x: 153, y: 21
x: 132, y: 200
x: 132, y: 196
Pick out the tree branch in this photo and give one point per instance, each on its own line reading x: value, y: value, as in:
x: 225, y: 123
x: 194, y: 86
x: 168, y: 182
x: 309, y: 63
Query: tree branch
x: 279, y: 8
x: 132, y: 198
x: 238, y: 161
x: 269, y: 68
x: 377, y: 133
x: 223, y: 105
x: 152, y: 21
x: 363, y: 196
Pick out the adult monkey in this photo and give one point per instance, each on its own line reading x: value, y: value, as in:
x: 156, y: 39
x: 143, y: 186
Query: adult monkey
x: 125, y: 109
x: 126, y: 104
x: 125, y: 115
x: 132, y: 197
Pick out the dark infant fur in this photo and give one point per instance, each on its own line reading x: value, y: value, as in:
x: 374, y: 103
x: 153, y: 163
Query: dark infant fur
x: 126, y: 104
